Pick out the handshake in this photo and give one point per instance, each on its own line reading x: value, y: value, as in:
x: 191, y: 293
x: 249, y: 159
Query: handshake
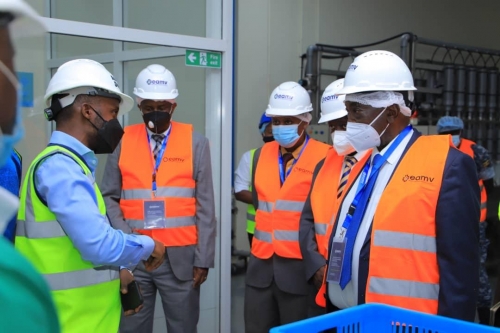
x: 156, y: 258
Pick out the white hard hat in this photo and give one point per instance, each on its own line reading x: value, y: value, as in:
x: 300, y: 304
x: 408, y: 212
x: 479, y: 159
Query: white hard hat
x: 377, y: 71
x: 90, y: 77
x: 332, y: 105
x: 26, y: 20
x: 155, y: 82
x: 289, y: 99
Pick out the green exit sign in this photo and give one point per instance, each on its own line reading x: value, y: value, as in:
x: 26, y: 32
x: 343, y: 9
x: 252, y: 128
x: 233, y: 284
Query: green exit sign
x: 203, y: 59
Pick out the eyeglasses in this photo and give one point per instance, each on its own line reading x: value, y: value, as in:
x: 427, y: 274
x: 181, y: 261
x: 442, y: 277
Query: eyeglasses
x: 164, y: 107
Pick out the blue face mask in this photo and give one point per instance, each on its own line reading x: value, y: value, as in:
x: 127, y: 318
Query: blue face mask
x: 286, y: 135
x: 456, y: 140
x: 8, y: 141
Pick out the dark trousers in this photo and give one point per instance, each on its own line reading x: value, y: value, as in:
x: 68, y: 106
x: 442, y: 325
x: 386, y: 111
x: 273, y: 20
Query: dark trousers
x: 181, y: 302
x: 269, y: 307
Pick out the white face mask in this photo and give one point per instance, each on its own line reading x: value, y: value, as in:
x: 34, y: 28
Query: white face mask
x: 456, y: 140
x: 364, y: 136
x: 341, y: 144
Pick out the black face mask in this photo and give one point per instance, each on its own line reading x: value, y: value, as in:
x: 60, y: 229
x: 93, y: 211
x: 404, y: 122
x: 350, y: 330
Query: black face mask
x: 108, y: 136
x: 158, y: 119
x: 268, y: 138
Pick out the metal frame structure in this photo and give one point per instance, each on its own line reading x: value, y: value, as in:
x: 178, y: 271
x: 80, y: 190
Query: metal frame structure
x: 451, y: 79
x: 218, y: 100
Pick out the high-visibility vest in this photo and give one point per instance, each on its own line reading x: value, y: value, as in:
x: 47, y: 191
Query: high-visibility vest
x: 403, y: 266
x: 466, y: 147
x: 174, y: 179
x: 325, y: 205
x: 250, y: 207
x: 279, y: 207
x: 87, y: 297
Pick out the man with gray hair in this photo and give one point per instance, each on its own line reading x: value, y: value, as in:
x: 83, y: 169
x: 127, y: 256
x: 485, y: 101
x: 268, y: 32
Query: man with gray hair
x: 406, y: 232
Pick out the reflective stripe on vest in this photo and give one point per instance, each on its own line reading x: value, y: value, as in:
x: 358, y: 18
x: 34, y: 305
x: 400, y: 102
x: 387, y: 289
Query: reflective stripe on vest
x: 82, y: 278
x: 466, y: 147
x: 42, y: 240
x: 403, y: 268
x: 278, y: 215
x: 404, y: 288
x: 175, y: 184
x: 162, y: 191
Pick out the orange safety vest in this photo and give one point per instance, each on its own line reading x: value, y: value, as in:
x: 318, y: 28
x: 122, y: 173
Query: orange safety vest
x: 403, y: 267
x: 279, y: 207
x: 175, y: 183
x: 325, y: 205
x: 466, y: 147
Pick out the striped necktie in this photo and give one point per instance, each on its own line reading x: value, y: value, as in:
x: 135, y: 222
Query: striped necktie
x: 349, y: 161
x: 159, y: 140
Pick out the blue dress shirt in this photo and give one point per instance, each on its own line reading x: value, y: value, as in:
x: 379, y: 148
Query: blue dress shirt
x: 70, y: 195
x: 10, y: 179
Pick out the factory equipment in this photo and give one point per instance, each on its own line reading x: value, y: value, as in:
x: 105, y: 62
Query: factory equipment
x: 451, y: 79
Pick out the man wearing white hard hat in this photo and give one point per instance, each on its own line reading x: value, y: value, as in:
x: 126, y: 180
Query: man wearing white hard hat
x: 28, y: 304
x: 276, y: 288
x: 406, y: 232
x: 62, y: 226
x: 158, y: 183
x: 336, y: 171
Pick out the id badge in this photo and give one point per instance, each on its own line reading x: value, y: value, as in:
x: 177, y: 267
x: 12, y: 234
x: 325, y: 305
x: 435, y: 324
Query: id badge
x: 336, y: 260
x: 154, y: 215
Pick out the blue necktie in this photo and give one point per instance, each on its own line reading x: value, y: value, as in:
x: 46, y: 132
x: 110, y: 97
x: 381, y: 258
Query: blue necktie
x: 352, y: 231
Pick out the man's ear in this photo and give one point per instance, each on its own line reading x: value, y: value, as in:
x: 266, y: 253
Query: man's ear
x: 85, y: 109
x: 392, y: 113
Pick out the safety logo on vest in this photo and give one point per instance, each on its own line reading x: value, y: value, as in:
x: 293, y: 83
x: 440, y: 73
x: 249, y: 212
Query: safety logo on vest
x: 303, y: 170
x: 173, y: 159
x: 408, y: 178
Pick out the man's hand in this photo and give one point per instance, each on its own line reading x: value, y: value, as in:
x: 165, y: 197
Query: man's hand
x: 156, y: 258
x: 318, y: 277
x: 199, y: 276
x: 125, y: 279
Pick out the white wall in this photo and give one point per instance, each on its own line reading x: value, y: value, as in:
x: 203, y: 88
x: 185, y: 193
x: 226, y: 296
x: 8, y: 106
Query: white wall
x: 273, y: 34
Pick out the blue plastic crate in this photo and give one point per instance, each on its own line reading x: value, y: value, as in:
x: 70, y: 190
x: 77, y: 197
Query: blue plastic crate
x: 381, y: 318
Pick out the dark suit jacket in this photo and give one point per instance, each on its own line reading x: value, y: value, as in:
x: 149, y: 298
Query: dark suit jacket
x: 457, y: 238
x: 182, y: 258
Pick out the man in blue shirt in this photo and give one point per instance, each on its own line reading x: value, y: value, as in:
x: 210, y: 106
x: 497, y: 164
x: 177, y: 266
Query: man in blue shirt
x: 85, y: 101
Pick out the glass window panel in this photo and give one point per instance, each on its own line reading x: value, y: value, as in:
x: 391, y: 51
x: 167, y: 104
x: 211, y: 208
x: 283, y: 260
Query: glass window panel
x: 186, y: 17
x: 89, y: 11
x: 78, y: 47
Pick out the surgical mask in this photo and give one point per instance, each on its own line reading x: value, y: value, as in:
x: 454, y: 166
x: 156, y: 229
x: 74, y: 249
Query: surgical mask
x: 286, y: 135
x: 341, y: 144
x: 456, y: 140
x: 157, y: 121
x: 108, y: 136
x: 267, y: 139
x: 8, y: 141
x: 364, y: 136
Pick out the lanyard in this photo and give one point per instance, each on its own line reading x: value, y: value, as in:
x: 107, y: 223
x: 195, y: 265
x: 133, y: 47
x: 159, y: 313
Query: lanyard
x: 284, y: 175
x: 374, y: 172
x: 159, y: 157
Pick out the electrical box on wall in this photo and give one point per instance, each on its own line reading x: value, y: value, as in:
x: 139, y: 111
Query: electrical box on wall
x: 319, y: 132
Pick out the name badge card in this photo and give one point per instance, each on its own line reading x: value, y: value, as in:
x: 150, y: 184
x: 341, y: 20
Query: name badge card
x: 154, y: 215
